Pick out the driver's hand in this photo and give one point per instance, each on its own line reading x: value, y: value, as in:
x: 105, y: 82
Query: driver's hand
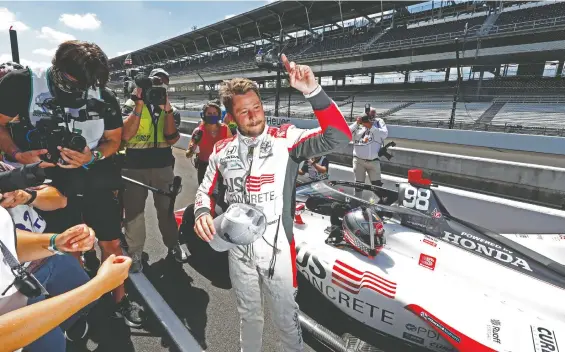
x: 33, y: 156
x: 204, y: 227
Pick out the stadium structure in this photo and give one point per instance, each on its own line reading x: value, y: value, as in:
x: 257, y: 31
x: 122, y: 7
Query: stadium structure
x: 402, y: 57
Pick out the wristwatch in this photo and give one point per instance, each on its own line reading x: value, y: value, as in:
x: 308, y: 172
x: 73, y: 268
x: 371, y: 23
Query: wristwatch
x: 33, y: 196
x: 97, y: 155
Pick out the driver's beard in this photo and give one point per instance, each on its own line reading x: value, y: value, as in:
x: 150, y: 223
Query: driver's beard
x: 247, y: 133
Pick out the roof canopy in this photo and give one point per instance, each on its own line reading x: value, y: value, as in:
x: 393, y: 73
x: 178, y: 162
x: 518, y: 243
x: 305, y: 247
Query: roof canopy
x: 262, y: 23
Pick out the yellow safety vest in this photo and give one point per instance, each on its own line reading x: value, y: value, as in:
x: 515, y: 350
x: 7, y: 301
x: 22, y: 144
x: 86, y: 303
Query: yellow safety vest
x: 147, y: 136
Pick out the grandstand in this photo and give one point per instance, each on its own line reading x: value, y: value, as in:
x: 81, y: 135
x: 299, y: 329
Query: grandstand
x: 511, y: 54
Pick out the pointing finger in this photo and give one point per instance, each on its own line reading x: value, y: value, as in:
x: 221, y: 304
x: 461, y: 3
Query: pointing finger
x: 286, y: 63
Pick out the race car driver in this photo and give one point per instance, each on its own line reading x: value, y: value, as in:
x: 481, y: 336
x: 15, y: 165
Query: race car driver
x: 259, y: 166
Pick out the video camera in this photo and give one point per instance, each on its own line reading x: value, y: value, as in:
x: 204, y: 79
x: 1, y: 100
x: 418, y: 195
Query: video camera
x: 48, y: 133
x: 269, y: 60
x: 384, y: 150
x: 153, y: 91
x: 30, y: 175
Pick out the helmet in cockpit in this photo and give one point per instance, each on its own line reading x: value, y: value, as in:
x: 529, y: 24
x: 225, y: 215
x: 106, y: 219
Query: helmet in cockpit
x: 357, y: 230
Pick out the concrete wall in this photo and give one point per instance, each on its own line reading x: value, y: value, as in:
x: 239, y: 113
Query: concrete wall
x: 535, y: 183
x: 498, y: 140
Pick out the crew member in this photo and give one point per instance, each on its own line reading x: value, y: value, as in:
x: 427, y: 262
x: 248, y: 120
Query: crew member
x: 90, y: 179
x: 150, y: 131
x: 20, y: 326
x: 316, y: 168
x: 213, y: 130
x: 369, y: 134
x: 259, y: 166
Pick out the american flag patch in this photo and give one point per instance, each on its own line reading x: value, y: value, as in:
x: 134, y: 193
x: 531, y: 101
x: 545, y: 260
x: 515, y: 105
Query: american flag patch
x: 353, y: 280
x: 254, y: 183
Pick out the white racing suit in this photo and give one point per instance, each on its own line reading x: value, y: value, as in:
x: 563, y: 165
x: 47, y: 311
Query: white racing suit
x: 262, y: 171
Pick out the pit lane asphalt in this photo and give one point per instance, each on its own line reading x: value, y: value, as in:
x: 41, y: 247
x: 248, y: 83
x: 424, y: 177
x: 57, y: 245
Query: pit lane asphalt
x: 203, y: 301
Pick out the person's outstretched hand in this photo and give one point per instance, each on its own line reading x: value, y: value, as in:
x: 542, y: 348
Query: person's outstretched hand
x: 79, y: 238
x: 113, y: 272
x: 301, y: 77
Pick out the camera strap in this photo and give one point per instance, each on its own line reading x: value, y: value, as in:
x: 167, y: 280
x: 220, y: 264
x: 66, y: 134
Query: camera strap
x: 9, y: 257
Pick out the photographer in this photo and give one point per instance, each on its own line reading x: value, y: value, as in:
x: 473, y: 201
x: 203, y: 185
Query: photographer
x: 210, y: 131
x: 316, y: 168
x: 369, y: 134
x: 20, y: 326
x: 89, y: 176
x: 149, y: 132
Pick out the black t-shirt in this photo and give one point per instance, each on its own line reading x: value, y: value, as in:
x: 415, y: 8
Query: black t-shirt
x: 15, y: 95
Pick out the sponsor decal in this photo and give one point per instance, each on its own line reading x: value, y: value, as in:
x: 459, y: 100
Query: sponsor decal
x: 198, y: 200
x: 266, y: 149
x: 436, y: 214
x: 313, y: 270
x: 544, y: 339
x: 464, y: 343
x: 413, y: 338
x: 440, y: 326
x: 427, y: 261
x: 254, y: 183
x: 353, y: 280
x: 254, y: 199
x: 441, y: 347
x: 480, y: 245
x: 422, y: 331
x: 232, y: 150
x: 273, y: 121
x: 493, y: 331
x: 430, y: 240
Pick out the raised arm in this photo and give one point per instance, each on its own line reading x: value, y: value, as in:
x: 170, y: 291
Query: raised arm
x: 333, y: 134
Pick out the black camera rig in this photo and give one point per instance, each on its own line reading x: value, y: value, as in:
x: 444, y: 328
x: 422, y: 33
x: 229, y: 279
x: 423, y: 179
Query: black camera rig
x: 384, y: 150
x: 53, y: 130
x: 29, y: 175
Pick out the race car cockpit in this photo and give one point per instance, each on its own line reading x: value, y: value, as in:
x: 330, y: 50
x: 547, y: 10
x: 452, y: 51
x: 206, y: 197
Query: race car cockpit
x: 355, y: 220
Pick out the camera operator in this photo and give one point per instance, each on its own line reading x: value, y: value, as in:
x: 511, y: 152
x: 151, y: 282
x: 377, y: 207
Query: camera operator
x: 369, y: 133
x: 89, y: 177
x: 21, y: 325
x: 212, y: 131
x: 58, y: 274
x: 316, y: 168
x: 150, y: 132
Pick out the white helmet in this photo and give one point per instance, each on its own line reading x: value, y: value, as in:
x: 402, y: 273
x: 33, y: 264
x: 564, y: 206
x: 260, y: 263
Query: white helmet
x: 241, y: 224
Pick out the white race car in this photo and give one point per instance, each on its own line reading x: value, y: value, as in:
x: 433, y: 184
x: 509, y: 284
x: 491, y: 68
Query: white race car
x: 398, y: 263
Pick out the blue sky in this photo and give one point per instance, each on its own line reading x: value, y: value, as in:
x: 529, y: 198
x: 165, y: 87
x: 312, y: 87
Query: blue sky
x: 117, y: 26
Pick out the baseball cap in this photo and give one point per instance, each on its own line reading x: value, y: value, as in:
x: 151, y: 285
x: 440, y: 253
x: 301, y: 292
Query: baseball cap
x: 241, y: 224
x: 157, y: 71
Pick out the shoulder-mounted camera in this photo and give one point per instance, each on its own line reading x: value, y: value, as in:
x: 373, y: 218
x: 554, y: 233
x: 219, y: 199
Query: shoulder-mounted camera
x: 154, y: 92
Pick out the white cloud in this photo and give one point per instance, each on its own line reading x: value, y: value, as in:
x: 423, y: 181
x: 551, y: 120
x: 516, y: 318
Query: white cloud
x: 87, y: 21
x: 36, y: 66
x: 120, y: 53
x: 54, y: 36
x: 229, y: 16
x: 45, y: 52
x: 8, y: 19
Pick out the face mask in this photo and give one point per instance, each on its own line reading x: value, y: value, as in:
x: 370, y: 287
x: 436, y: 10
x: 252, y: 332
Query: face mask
x: 211, y: 119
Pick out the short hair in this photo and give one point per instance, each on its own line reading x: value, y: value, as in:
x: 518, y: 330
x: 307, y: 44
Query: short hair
x: 84, y: 61
x: 236, y: 86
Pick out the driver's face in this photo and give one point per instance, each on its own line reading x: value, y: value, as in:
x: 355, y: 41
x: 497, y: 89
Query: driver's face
x: 248, y: 113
